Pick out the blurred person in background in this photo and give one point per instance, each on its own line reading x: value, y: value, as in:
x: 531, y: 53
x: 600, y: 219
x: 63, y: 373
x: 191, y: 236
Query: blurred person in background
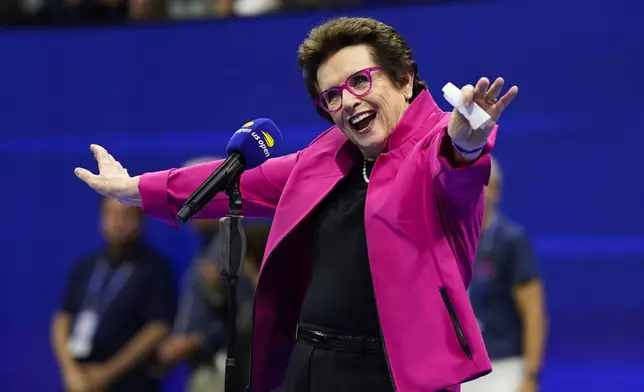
x: 249, y: 8
x: 507, y: 296
x: 118, y: 304
x: 376, y: 224
x: 98, y: 11
x: 17, y: 12
x: 256, y: 238
x: 319, y: 5
x: 200, y: 9
x: 199, y: 333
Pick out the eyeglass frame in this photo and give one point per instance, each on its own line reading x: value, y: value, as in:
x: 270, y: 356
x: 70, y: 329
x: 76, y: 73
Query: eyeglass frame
x: 345, y: 86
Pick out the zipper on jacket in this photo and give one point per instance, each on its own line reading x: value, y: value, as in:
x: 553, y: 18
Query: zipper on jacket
x: 460, y: 334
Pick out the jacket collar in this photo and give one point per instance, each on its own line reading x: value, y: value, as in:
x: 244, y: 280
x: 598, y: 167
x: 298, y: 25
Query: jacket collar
x: 416, y: 115
x: 422, y: 107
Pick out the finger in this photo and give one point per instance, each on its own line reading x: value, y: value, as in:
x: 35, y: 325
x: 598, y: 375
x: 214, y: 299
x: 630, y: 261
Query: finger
x: 505, y: 101
x: 481, y: 88
x: 488, y: 128
x: 111, y: 164
x: 101, y: 155
x: 468, y: 95
x: 494, y: 91
x: 114, y: 162
x: 88, y: 177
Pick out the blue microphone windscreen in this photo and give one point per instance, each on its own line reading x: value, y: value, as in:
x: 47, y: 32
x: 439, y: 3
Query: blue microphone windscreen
x: 256, y: 141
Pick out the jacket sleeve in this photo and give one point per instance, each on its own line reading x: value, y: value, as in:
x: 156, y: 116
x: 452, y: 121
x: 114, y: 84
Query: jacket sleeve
x: 459, y: 187
x: 164, y: 192
x: 459, y: 193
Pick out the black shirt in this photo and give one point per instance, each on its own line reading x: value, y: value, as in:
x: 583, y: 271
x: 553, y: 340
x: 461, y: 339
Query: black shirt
x: 147, y: 295
x: 340, y: 294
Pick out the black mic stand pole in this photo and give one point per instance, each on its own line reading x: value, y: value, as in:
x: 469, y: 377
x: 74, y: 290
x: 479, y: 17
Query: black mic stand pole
x: 233, y: 248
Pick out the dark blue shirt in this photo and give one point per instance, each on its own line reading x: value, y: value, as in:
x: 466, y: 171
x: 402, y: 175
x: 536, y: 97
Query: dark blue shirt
x: 504, y: 260
x: 146, y: 296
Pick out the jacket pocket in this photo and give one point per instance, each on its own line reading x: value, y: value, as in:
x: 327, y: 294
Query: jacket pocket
x: 458, y: 329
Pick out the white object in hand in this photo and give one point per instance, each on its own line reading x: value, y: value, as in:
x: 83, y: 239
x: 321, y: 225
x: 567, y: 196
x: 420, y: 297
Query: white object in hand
x: 476, y: 116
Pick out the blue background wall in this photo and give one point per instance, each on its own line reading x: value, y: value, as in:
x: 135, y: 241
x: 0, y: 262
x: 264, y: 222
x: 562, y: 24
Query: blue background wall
x: 155, y: 96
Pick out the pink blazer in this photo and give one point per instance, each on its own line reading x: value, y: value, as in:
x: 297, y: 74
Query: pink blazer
x: 422, y: 217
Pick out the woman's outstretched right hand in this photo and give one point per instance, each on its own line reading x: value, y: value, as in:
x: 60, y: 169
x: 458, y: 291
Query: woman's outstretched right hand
x: 112, y: 179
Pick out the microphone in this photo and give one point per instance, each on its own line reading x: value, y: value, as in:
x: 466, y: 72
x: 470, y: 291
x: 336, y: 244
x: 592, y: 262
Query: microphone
x: 248, y: 148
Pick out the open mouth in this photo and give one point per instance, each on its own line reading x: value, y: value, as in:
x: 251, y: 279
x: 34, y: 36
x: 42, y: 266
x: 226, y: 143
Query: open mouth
x: 362, y: 122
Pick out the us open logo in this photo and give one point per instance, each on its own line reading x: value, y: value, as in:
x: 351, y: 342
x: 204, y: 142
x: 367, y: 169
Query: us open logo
x: 261, y: 143
x: 269, y: 139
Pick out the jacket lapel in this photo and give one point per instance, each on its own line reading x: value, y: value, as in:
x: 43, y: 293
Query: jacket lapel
x: 314, y: 177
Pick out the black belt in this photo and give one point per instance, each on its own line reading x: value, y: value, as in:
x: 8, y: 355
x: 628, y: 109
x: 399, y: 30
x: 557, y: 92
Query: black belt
x: 337, y: 341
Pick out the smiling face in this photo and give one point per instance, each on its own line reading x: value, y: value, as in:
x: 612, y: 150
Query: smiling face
x: 367, y: 115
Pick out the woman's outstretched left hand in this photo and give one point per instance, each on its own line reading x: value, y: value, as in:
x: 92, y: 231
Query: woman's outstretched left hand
x: 487, y: 97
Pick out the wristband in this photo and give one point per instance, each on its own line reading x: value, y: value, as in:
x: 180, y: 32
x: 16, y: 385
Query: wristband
x: 464, y: 151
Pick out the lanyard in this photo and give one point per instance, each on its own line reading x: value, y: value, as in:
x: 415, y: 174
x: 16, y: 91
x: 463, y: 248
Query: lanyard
x: 98, y: 299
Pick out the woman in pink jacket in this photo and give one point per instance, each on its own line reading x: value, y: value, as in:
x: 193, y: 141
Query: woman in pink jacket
x: 376, y: 223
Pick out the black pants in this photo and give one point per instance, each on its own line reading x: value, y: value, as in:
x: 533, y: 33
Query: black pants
x: 312, y: 369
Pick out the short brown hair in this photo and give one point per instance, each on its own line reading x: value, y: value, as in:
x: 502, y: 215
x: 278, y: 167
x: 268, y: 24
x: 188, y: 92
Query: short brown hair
x: 389, y: 49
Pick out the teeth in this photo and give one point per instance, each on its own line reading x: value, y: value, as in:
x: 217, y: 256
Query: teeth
x: 360, y: 117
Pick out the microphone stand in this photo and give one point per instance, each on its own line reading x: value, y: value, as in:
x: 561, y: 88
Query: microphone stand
x: 233, y: 248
